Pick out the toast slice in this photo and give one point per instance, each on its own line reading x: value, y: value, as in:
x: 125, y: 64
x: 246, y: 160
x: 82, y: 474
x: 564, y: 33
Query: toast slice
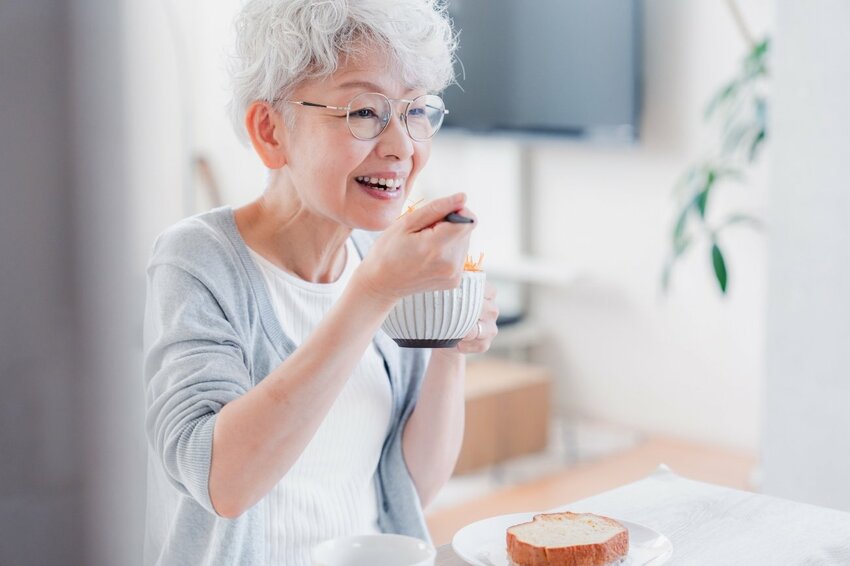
x: 568, y: 539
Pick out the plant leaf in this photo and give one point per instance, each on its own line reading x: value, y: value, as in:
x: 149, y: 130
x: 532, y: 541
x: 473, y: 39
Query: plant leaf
x: 760, y: 110
x: 680, y: 246
x: 741, y: 219
x: 701, y: 199
x: 729, y: 173
x: 721, y: 97
x: 755, y: 63
x: 733, y: 137
x: 665, y: 276
x: 679, y: 229
x: 719, y: 267
x: 761, y: 48
x: 756, y: 144
x: 700, y: 202
x: 686, y: 180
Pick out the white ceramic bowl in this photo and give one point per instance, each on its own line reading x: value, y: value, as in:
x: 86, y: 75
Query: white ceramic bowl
x: 437, y: 319
x: 374, y: 550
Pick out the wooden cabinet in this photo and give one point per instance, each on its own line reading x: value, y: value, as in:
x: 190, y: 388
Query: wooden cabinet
x: 507, y: 412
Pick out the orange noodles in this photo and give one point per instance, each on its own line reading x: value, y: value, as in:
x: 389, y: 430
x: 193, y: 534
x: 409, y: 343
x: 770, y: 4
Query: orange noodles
x: 470, y: 265
x: 410, y: 208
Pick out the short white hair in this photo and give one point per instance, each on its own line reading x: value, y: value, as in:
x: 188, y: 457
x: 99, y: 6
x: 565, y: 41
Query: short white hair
x: 280, y: 43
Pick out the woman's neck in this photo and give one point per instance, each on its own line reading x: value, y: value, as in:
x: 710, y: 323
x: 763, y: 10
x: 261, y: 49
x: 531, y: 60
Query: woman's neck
x: 279, y: 228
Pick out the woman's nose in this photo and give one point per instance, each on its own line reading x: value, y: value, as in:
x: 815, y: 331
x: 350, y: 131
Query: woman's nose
x: 395, y: 141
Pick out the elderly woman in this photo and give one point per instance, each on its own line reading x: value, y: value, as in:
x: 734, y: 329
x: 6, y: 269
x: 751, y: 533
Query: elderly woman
x: 278, y: 413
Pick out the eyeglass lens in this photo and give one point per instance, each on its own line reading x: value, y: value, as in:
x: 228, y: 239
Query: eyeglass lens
x: 370, y: 113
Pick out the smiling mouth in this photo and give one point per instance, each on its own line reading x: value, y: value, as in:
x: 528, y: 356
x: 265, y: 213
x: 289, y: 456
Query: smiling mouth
x: 386, y: 185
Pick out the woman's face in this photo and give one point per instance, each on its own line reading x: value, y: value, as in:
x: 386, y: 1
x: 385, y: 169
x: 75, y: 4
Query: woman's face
x: 331, y: 170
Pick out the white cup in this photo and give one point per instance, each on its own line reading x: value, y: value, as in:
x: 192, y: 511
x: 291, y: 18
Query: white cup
x: 374, y: 550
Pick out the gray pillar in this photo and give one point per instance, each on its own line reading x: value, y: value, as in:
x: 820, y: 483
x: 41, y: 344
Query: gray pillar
x: 71, y: 465
x: 41, y: 468
x: 108, y: 304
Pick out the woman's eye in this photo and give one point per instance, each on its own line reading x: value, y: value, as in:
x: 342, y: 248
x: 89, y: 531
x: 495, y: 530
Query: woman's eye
x: 363, y: 113
x: 416, y: 112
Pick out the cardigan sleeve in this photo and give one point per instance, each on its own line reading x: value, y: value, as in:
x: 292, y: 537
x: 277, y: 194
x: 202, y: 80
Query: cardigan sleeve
x: 195, y: 364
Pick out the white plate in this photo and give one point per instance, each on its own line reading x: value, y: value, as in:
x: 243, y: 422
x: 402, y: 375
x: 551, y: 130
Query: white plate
x: 483, y: 543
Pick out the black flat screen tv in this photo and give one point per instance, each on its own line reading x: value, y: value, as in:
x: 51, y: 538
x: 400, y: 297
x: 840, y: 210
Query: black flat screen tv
x: 562, y: 67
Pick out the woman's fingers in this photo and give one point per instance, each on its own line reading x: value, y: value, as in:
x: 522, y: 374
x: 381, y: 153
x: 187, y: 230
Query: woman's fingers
x: 478, y: 340
x: 450, y: 230
x: 472, y: 344
x: 433, y: 212
x: 421, y: 251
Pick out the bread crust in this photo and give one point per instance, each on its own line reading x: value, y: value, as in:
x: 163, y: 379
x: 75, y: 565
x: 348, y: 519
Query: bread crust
x: 597, y: 554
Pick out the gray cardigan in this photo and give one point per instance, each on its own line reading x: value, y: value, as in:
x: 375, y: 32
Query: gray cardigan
x: 210, y: 335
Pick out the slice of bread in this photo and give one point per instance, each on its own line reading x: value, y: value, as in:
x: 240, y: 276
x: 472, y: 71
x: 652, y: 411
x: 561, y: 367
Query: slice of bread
x: 568, y: 539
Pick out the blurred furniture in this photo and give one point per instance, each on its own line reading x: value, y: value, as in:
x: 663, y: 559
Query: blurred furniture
x: 210, y: 186
x: 507, y: 412
x: 711, y: 525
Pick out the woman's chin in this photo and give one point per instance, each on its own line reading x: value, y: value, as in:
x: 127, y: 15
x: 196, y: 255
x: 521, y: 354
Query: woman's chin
x: 376, y: 218
x: 373, y: 224
x: 377, y: 213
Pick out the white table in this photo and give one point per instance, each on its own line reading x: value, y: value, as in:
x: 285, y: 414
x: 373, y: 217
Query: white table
x: 711, y: 525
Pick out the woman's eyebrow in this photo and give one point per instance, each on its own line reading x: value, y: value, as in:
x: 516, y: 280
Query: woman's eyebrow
x: 361, y: 84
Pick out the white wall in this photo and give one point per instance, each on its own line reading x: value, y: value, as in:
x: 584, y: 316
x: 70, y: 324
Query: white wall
x: 689, y: 365
x: 177, y: 91
x: 806, y: 454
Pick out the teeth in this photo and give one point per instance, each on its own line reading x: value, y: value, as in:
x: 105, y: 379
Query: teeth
x: 387, y: 183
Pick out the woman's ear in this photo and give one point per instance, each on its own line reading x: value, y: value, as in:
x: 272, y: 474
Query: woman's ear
x: 267, y: 131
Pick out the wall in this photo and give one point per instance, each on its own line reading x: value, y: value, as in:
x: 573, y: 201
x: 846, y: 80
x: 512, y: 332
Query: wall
x: 622, y: 352
x: 805, y: 453
x: 177, y: 90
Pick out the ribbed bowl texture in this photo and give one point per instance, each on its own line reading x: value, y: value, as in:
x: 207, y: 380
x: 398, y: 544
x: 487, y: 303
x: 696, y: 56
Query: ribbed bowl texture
x: 437, y: 319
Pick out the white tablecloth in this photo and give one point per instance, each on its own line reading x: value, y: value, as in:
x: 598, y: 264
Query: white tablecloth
x: 711, y: 525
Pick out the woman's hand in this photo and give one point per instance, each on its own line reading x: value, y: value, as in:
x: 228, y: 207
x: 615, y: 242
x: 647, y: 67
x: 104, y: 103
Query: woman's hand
x: 482, y: 334
x: 419, y: 252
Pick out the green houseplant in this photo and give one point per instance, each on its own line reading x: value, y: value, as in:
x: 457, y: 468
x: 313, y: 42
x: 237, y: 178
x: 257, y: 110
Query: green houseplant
x: 739, y: 111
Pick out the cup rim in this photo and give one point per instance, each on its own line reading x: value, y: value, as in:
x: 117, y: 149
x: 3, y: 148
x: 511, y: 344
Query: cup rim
x: 430, y: 552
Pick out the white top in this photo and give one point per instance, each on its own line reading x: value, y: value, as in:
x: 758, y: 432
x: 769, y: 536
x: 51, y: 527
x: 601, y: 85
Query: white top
x: 330, y: 490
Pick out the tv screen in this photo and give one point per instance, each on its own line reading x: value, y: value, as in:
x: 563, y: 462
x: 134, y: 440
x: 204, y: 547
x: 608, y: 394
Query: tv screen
x: 567, y: 67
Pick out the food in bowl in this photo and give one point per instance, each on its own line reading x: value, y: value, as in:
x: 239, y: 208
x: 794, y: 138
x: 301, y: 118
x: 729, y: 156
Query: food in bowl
x: 568, y: 539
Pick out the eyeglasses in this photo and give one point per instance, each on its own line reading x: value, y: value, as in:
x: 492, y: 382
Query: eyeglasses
x: 369, y: 113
